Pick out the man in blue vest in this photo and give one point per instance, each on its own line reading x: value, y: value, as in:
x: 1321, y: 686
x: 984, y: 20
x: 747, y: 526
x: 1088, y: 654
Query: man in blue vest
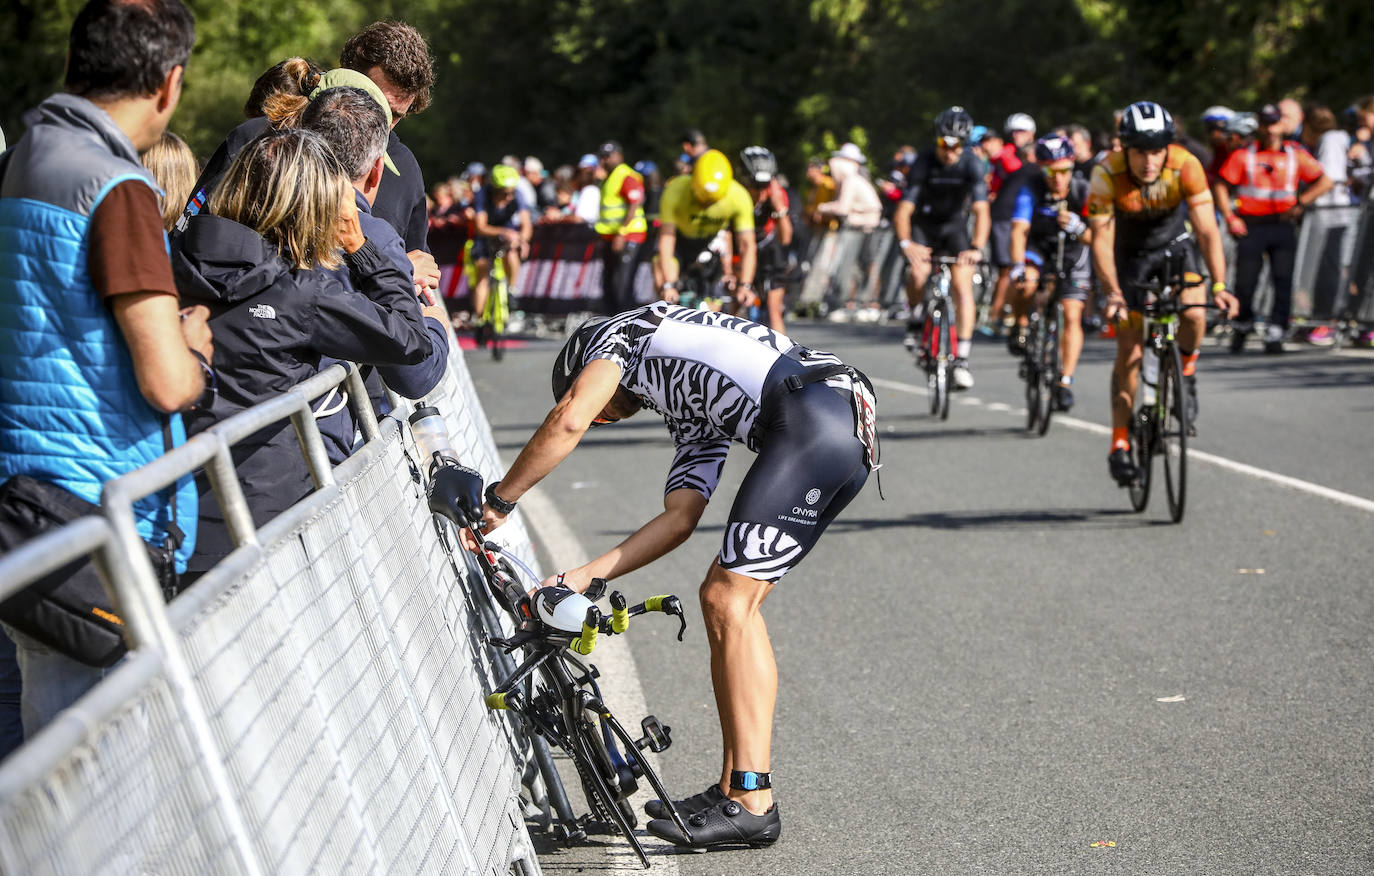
x: 95, y: 357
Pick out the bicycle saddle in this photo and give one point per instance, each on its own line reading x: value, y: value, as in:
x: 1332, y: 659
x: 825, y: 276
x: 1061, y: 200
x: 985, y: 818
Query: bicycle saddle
x: 456, y: 492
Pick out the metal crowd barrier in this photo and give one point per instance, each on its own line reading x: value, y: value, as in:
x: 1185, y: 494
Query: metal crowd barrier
x: 313, y: 704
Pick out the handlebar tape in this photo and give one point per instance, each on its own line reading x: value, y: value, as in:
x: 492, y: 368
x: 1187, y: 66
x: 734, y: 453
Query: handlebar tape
x: 655, y: 603
x: 496, y: 701
x: 620, y: 619
x: 585, y: 643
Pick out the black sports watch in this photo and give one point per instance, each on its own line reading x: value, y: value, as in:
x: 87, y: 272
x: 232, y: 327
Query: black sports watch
x: 496, y: 502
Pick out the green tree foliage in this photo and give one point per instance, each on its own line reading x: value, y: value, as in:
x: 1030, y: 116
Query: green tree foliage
x: 556, y: 77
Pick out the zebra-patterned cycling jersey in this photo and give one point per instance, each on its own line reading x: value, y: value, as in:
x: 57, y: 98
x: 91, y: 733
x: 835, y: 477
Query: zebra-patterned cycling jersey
x: 706, y: 373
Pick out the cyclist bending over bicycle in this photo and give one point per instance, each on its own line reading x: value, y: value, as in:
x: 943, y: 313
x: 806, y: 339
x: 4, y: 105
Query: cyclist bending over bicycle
x: 1048, y: 224
x: 945, y: 184
x: 503, y: 231
x: 1136, y: 207
x: 694, y: 209
x: 716, y: 379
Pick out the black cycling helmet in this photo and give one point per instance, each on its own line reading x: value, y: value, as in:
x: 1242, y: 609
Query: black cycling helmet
x: 569, y: 361
x: 759, y: 165
x: 1051, y: 149
x: 954, y: 122
x: 1146, y: 125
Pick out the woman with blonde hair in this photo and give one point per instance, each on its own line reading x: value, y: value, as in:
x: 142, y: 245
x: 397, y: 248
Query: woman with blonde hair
x: 284, y: 209
x: 174, y: 167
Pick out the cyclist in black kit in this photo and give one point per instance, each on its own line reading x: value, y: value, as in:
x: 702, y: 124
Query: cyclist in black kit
x: 945, y: 183
x: 716, y: 379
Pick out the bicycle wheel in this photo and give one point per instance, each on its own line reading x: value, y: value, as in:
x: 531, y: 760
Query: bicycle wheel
x: 1172, y: 440
x: 932, y: 344
x: 1048, y: 363
x: 498, y: 308
x: 1142, y: 454
x: 1030, y: 372
x: 944, y: 362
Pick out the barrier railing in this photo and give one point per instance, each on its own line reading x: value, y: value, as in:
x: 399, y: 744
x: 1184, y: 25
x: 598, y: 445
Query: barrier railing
x: 314, y: 703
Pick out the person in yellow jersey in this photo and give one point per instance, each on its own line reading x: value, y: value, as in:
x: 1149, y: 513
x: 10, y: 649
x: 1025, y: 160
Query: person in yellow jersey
x: 695, y: 208
x: 621, y: 224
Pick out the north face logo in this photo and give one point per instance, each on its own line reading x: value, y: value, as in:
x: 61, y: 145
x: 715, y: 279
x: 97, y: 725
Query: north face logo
x: 263, y: 311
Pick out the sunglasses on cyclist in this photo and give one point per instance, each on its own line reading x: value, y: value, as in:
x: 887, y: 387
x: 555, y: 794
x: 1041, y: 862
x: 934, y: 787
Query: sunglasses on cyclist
x: 950, y: 143
x: 1056, y: 171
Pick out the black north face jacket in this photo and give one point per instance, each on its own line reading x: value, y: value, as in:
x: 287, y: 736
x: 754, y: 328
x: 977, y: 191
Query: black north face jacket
x: 271, y: 325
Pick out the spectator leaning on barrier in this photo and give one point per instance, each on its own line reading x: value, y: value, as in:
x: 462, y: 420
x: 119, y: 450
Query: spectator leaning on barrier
x: 396, y: 57
x: 586, y: 205
x: 94, y: 359
x: 1264, y: 179
x: 354, y: 124
x: 621, y: 225
x: 283, y: 210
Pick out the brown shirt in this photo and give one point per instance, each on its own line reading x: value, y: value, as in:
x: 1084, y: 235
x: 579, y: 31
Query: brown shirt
x: 128, y: 248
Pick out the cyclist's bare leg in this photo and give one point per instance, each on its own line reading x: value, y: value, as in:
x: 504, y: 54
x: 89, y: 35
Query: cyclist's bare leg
x: 1000, y: 290
x: 1071, y: 340
x: 744, y: 675
x: 1021, y: 293
x: 920, y: 273
x: 965, y: 314
x: 1126, y: 371
x: 775, y: 302
x: 512, y: 262
x: 479, y: 292
x: 1192, y: 323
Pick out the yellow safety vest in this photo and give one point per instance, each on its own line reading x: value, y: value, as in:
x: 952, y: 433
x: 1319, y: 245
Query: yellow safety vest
x: 614, y: 207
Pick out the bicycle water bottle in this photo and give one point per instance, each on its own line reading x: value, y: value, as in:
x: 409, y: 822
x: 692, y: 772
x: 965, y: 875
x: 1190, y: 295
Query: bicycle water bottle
x: 430, y: 432
x: 1149, y: 372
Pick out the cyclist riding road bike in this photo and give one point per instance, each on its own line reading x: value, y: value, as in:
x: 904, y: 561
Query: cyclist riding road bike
x: 716, y: 380
x: 1051, y: 211
x: 695, y: 208
x: 1137, y: 204
x: 945, y: 184
x: 503, y: 231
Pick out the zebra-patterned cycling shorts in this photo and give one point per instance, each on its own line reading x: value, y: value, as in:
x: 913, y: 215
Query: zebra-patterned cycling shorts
x: 810, y: 465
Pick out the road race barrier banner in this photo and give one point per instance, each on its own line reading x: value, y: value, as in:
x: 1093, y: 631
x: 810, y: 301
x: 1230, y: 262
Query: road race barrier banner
x: 312, y: 704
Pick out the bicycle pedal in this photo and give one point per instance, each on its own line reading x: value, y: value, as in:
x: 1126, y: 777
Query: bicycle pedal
x: 657, y: 736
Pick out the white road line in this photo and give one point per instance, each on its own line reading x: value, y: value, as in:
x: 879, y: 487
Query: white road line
x: 1273, y: 477
x: 620, y: 680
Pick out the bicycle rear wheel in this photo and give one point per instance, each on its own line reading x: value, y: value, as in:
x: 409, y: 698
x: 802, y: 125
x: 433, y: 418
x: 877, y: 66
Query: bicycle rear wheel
x: 1048, y: 363
x: 933, y: 344
x: 498, y: 305
x: 1172, y: 442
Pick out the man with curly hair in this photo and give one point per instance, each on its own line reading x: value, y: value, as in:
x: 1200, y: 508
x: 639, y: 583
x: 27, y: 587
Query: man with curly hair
x: 396, y: 57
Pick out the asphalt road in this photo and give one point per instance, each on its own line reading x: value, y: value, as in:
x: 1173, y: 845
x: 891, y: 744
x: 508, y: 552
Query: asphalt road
x: 1000, y: 669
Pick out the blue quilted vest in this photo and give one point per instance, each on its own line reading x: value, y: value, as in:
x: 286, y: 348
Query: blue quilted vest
x: 70, y: 409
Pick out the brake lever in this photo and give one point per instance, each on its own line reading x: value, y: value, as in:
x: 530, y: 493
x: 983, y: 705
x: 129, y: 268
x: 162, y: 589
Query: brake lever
x: 672, y: 605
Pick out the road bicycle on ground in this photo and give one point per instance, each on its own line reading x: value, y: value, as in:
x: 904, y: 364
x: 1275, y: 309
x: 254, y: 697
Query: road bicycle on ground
x: 1160, y: 425
x: 1040, y: 356
x: 939, y: 342
x: 553, y: 691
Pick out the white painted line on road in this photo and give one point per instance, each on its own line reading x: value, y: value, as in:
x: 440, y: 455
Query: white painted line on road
x: 624, y: 692
x: 1282, y: 480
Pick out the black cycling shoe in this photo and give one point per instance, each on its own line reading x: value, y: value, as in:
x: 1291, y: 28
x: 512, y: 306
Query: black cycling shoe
x: 695, y: 803
x: 1122, y: 468
x: 723, y: 825
x: 1063, y: 397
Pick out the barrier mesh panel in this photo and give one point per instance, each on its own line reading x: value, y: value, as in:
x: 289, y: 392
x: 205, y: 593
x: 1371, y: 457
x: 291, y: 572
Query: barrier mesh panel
x: 132, y: 798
